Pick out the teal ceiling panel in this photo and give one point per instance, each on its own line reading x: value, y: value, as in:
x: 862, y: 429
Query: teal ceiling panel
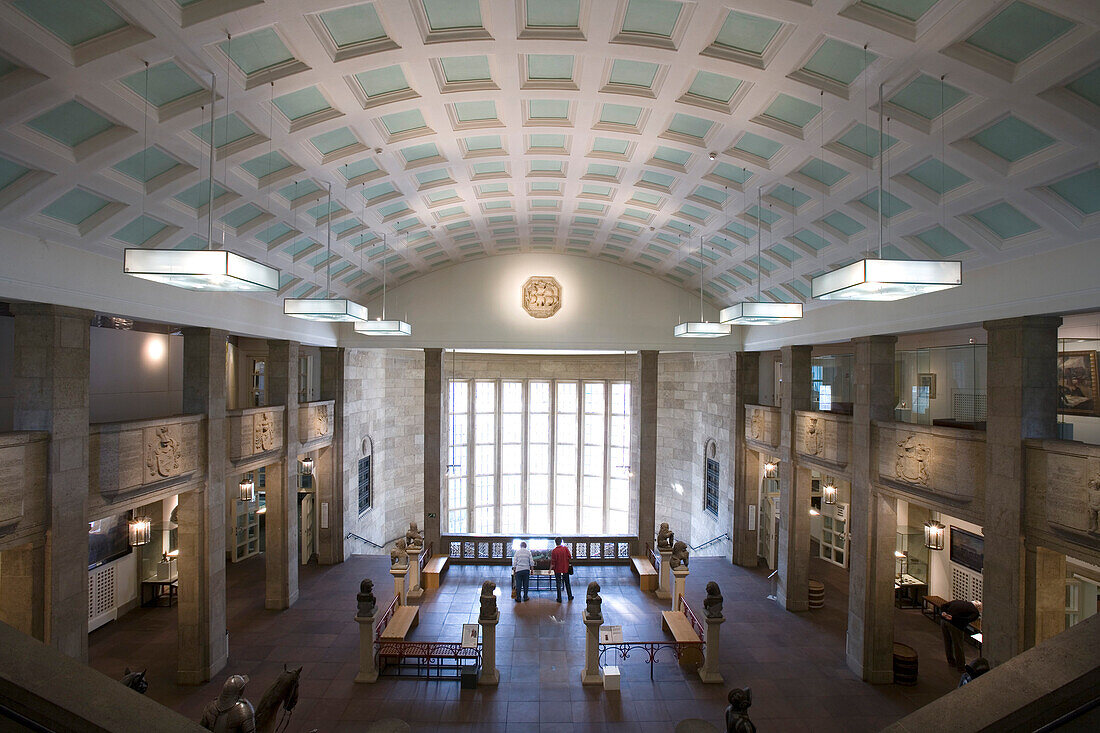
x: 1019, y: 31
x: 73, y: 21
x: 1012, y: 139
x: 1005, y: 220
x: 748, y: 33
x: 71, y: 123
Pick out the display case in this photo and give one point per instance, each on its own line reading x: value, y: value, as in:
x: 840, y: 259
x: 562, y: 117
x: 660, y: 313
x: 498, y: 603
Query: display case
x: 913, y: 558
x: 942, y: 386
x: 246, y: 524
x: 831, y: 383
x: 157, y: 558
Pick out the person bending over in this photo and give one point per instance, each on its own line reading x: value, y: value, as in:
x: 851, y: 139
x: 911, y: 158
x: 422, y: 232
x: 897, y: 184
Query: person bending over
x: 522, y: 562
x: 956, y: 615
x: 559, y: 563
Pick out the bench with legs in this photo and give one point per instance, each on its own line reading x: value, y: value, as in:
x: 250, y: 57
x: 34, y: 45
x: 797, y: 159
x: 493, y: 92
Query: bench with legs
x: 397, y: 621
x: 647, y: 575
x: 686, y: 629
x: 433, y: 571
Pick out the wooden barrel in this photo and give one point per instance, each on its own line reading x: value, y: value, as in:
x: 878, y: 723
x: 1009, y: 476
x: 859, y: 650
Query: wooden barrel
x: 905, y: 665
x: 817, y: 594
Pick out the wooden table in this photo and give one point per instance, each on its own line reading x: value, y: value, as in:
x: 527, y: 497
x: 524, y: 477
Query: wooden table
x: 160, y: 587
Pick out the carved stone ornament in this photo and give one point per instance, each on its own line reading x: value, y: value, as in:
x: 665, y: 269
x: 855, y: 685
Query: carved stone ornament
x: 756, y: 425
x: 320, y: 420
x: 1094, y: 506
x: 541, y: 297
x: 912, y: 460
x: 164, y: 454
x: 263, y: 438
x: 815, y: 436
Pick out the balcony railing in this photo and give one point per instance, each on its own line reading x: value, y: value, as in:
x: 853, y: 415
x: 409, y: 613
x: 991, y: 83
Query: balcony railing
x: 498, y: 548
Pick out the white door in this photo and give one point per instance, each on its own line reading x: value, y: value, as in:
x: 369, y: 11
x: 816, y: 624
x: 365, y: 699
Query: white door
x: 834, y: 534
x: 305, y: 528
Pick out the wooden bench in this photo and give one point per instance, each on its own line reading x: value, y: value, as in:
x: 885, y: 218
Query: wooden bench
x: 647, y: 576
x: 403, y: 620
x: 677, y: 623
x: 930, y: 606
x: 433, y: 569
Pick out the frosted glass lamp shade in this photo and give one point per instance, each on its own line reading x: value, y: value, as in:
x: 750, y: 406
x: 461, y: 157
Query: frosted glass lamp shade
x: 200, y: 269
x: 380, y: 327
x: 828, y: 491
x: 324, y: 309
x: 696, y: 330
x: 760, y: 314
x: 887, y: 279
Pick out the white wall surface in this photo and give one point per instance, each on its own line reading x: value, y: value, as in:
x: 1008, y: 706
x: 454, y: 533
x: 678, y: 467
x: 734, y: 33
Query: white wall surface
x: 604, y: 306
x: 135, y: 375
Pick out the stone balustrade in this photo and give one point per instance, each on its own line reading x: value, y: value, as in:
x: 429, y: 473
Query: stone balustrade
x: 762, y: 423
x: 22, y: 486
x: 315, y: 421
x: 254, y: 432
x: 1063, y: 496
x: 823, y: 439
x: 932, y: 462
x: 131, y: 459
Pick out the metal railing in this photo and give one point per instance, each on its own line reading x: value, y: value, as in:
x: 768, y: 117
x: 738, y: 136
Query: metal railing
x: 654, y: 557
x: 692, y: 618
x: 652, y: 648
x: 425, y: 555
x: 497, y: 548
x: 711, y: 541
x: 386, y: 616
x: 352, y: 535
x: 426, y: 659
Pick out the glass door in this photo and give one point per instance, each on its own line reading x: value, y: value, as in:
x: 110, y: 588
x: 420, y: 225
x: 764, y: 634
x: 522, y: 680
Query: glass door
x: 834, y: 534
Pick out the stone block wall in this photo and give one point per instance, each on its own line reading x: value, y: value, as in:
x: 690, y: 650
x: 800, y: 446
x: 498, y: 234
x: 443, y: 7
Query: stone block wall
x: 384, y: 406
x: 694, y: 405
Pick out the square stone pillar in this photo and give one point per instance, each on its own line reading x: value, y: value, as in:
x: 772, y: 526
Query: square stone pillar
x: 368, y: 670
x: 51, y: 374
x: 664, y: 574
x: 872, y: 519
x: 281, y: 524
x: 792, y: 589
x: 590, y: 675
x: 399, y: 573
x: 679, y: 580
x: 23, y: 587
x: 1045, y: 605
x: 203, y: 647
x: 709, y: 673
x: 330, y: 494
x: 746, y: 486
x: 490, y: 675
x: 645, y: 407
x: 1022, y: 399
x: 415, y: 589
x: 434, y: 471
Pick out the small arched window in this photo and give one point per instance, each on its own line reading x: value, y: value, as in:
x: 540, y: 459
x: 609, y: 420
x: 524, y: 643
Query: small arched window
x: 366, y: 476
x: 711, y: 472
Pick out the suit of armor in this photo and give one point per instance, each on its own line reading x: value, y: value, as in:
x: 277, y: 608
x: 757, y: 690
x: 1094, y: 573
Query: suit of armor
x: 230, y: 713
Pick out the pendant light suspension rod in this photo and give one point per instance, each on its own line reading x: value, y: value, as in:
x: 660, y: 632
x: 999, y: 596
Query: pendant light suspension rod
x: 210, y: 166
x: 328, y: 236
x: 881, y: 169
x: 384, y: 258
x: 759, y: 236
x: 700, y: 278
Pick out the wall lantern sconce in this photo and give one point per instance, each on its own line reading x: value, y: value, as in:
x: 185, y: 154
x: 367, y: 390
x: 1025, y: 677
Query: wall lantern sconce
x: 828, y: 492
x: 305, y: 467
x: 140, y: 531
x: 933, y: 535
x: 771, y: 469
x: 247, y: 488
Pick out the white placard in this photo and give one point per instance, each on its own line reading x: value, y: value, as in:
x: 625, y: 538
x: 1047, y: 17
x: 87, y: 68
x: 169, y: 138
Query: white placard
x: 324, y: 515
x: 611, y: 634
x: 752, y: 517
x: 841, y: 512
x: 469, y: 636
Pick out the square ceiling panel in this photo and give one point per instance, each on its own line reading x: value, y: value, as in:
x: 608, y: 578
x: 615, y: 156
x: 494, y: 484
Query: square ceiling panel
x: 908, y: 9
x: 10, y: 172
x: 893, y: 205
x: 1081, y: 191
x: 73, y: 21
x: 1012, y: 139
x: 146, y: 165
x: 76, y: 206
x: 936, y: 177
x: 823, y: 172
x: 1087, y: 86
x: 860, y: 143
x: 755, y: 148
x: 553, y: 13
x: 941, y: 242
x: 1019, y: 31
x: 382, y: 86
x: 927, y: 98
x: 1005, y: 221
x: 71, y: 123
x: 352, y: 25
x: 256, y: 51
x: 549, y: 71
x: 445, y: 15
x: 748, y: 39
x: 167, y: 85
x: 144, y: 231
x: 302, y: 103
x: 809, y: 239
x: 836, y: 62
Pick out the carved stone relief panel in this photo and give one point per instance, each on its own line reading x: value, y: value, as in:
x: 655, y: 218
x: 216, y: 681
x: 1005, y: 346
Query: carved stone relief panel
x: 314, y: 421
x: 941, y: 461
x: 823, y: 436
x: 11, y: 485
x: 241, y: 436
x: 191, y: 446
x: 163, y: 452
x: 762, y: 424
x: 263, y: 435
x: 541, y: 297
x: 1067, y: 487
x: 131, y: 459
x: 913, y: 457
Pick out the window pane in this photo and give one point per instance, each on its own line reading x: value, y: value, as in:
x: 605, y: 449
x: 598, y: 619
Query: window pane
x: 617, y: 522
x: 483, y: 520
x: 538, y: 394
x: 538, y: 520
x: 538, y: 490
x: 483, y: 459
x: 510, y: 519
x: 485, y: 428
x: 460, y: 395
x: 567, y: 396
x: 485, y: 397
x: 593, y: 429
x: 510, y: 490
x: 593, y: 398
x: 458, y: 520
x: 565, y: 519
x: 511, y: 458
x: 567, y: 429
x: 511, y: 427
x: 567, y: 459
x: 511, y: 397
x: 538, y: 458
x: 538, y: 428
x: 620, y: 398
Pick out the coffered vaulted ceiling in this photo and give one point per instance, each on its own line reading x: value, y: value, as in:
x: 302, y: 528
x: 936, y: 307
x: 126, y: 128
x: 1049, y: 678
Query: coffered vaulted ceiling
x: 624, y: 130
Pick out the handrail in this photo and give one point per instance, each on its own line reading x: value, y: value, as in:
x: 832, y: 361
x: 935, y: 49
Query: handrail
x: 654, y: 557
x: 386, y: 616
x: 711, y: 541
x: 425, y: 555
x: 362, y: 539
x: 692, y: 618
x: 1071, y: 715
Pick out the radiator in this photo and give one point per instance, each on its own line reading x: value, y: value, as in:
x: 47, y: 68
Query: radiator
x: 102, y: 596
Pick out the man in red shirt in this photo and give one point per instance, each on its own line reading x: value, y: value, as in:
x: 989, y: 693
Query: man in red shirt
x: 559, y: 563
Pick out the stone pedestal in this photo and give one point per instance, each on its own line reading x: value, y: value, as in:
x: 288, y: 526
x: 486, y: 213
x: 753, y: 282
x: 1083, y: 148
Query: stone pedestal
x: 663, y: 591
x: 399, y: 574
x: 490, y: 675
x: 590, y: 675
x: 708, y: 673
x: 415, y: 589
x: 368, y: 671
x: 679, y: 578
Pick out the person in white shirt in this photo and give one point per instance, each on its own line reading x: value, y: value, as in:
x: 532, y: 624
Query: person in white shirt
x: 522, y: 562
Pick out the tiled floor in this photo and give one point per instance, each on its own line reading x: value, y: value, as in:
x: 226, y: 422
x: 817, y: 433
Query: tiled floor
x: 793, y: 662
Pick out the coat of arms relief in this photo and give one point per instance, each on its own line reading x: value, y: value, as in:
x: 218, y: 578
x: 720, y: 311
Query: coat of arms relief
x: 912, y: 461
x: 163, y: 453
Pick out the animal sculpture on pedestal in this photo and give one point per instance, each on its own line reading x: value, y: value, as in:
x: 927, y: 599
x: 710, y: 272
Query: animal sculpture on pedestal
x: 135, y: 680
x: 398, y: 556
x: 737, y: 714
x: 664, y: 537
x: 488, y: 601
x: 365, y: 599
x: 679, y: 555
x: 712, y: 604
x: 414, y: 540
x: 593, y: 603
x: 278, y: 702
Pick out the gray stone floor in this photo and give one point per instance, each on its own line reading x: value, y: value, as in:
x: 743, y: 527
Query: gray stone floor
x: 793, y: 662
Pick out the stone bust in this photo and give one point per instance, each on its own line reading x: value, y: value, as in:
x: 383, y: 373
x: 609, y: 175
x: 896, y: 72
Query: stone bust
x: 365, y: 599
x: 399, y: 557
x: 679, y: 555
x: 414, y: 540
x: 737, y: 714
x: 664, y: 537
x: 594, y: 604
x: 488, y: 601
x: 712, y: 604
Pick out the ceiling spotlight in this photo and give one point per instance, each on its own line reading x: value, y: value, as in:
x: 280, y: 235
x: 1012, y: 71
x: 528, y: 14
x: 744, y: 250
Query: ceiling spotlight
x: 712, y: 155
x: 378, y: 150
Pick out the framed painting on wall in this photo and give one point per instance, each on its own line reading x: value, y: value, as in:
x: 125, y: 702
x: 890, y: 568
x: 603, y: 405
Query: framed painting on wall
x: 928, y: 381
x: 1077, y: 383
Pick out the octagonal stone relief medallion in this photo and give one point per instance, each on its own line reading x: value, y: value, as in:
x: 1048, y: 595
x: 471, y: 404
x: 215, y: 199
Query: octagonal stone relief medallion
x: 541, y: 297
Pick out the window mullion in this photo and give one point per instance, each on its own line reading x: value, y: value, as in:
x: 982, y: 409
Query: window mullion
x: 525, y: 407
x: 578, y: 510
x: 498, y: 496
x: 471, y: 456
x: 552, y: 479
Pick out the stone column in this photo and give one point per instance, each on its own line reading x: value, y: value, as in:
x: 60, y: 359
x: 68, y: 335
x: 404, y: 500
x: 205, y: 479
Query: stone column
x: 203, y: 647
x: 664, y: 575
x: 746, y: 485
x: 434, y: 456
x: 1022, y: 403
x: 415, y: 589
x: 1045, y: 583
x: 22, y: 588
x: 645, y: 406
x: 330, y: 494
x: 872, y: 519
x: 281, y: 523
x: 792, y: 589
x: 590, y: 675
x: 399, y: 573
x: 490, y: 675
x: 679, y: 579
x: 709, y: 673
x: 51, y: 385
x: 368, y: 670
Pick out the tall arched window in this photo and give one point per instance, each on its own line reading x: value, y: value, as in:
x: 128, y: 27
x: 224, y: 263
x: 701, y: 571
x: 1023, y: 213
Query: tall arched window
x: 711, y: 472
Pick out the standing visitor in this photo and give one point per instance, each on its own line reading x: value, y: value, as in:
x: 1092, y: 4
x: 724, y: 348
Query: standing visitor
x: 559, y: 563
x: 956, y: 616
x: 522, y: 562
